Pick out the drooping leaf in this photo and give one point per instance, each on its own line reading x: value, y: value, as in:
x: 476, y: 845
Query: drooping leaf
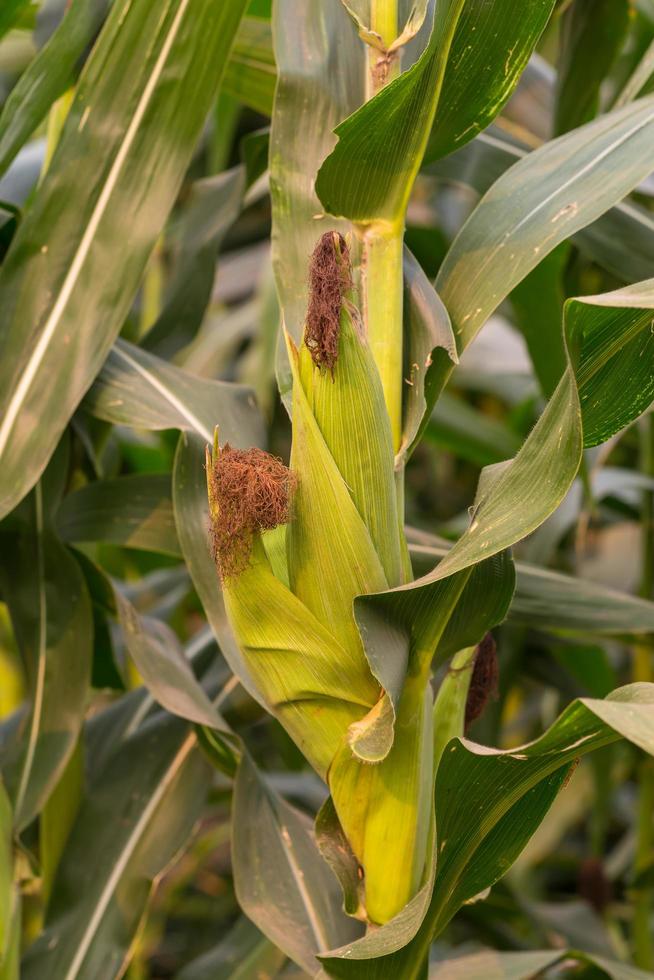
x: 609, y: 345
x: 51, y: 615
x: 155, y: 651
x: 542, y: 200
x: 490, y: 50
x: 139, y: 389
x: 64, y: 303
x: 214, y: 203
x: 130, y: 825
x: 621, y: 240
x: 555, y: 602
x: 512, y: 791
x: 282, y: 882
x: 133, y: 511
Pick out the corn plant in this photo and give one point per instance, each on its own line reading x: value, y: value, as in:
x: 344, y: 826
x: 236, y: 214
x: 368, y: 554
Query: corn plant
x: 304, y: 639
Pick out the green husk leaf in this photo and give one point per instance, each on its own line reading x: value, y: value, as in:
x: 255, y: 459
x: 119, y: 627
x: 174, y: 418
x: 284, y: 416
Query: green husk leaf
x: 315, y: 686
x: 349, y: 409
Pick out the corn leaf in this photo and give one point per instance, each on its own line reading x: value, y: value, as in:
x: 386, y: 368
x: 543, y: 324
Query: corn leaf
x: 369, y: 174
x: 251, y: 74
x: 513, y: 790
x: 47, y: 76
x: 282, y: 882
x: 552, y: 601
x: 490, y: 50
x: 591, y: 37
x: 56, y: 276
x: 621, y: 240
x: 133, y: 511
x: 213, y: 204
x: 131, y: 823
x: 51, y: 614
x: 139, y: 389
x: 607, y: 336
x: 542, y: 200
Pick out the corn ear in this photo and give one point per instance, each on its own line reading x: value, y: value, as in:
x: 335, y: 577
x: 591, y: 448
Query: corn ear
x: 312, y: 684
x: 331, y: 557
x: 349, y: 409
x: 386, y: 809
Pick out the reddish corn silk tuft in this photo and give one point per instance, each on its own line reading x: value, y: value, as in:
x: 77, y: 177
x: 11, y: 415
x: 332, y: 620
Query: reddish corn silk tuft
x: 329, y: 280
x: 250, y: 491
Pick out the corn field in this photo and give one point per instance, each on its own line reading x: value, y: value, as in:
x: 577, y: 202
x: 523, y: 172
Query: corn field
x: 326, y: 489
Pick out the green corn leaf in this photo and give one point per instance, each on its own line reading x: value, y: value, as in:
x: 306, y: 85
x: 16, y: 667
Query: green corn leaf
x: 47, y: 76
x: 607, y: 337
x: 512, y: 790
x: 542, y: 200
x: 551, y: 601
x: 436, y: 614
x: 132, y: 821
x: 52, y: 618
x: 155, y: 651
x: 369, y: 174
x: 214, y: 204
x: 139, y: 389
x: 490, y: 50
x: 56, y: 276
x: 133, y: 511
x: 591, y: 37
x: 281, y: 880
x: 251, y: 75
x: 350, y: 412
x: 621, y: 240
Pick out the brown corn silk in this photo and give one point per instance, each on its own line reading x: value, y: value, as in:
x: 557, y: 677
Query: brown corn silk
x: 329, y: 280
x: 250, y: 491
